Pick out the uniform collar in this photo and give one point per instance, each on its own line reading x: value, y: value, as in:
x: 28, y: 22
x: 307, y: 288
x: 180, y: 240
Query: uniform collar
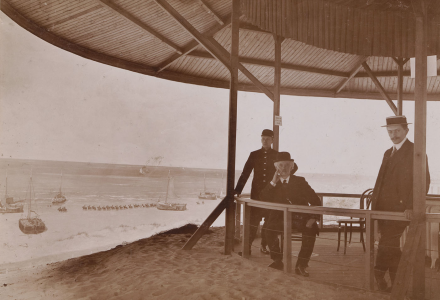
x: 265, y: 151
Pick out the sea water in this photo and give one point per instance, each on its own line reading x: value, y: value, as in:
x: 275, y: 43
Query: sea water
x: 78, y: 231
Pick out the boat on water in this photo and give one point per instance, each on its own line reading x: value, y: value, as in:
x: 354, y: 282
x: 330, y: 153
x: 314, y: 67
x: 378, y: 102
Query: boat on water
x: 31, y: 224
x: 59, y: 198
x: 10, y: 206
x: 207, y: 195
x: 170, y: 193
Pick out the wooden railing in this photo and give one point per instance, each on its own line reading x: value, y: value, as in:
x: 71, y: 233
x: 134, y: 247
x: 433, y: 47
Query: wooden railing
x: 368, y: 215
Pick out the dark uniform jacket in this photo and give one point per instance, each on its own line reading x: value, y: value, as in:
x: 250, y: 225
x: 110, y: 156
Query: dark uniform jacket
x: 298, y: 192
x: 393, y: 190
x: 261, y: 162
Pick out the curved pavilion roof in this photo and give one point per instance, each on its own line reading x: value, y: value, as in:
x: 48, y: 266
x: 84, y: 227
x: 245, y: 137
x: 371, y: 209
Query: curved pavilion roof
x: 326, y: 41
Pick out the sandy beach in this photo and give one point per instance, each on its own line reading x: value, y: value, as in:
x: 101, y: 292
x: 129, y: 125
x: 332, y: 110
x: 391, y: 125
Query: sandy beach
x: 156, y: 268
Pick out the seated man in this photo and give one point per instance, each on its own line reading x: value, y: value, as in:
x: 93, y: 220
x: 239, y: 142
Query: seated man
x: 287, y: 188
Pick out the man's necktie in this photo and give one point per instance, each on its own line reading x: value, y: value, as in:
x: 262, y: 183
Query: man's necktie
x: 393, y: 152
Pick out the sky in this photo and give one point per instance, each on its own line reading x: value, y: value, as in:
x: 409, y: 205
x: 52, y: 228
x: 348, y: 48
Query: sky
x: 55, y: 105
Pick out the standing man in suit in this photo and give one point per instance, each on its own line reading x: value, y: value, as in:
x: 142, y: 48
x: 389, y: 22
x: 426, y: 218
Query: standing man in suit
x: 393, y: 191
x: 261, y: 162
x: 287, y: 188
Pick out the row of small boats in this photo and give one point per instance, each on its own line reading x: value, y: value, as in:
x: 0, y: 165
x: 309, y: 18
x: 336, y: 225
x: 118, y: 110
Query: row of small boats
x: 117, y: 207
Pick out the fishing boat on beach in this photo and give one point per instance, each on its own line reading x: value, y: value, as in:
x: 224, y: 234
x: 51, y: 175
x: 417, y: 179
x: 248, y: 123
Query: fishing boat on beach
x: 170, y: 193
x: 10, y: 206
x: 207, y: 195
x: 59, y: 198
x: 31, y: 225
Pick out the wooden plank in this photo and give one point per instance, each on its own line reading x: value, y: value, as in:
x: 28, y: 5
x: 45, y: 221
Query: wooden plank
x: 333, y: 28
x: 352, y: 74
x: 300, y: 16
x: 349, y: 31
x: 343, y: 40
x: 380, y: 88
x: 358, y: 23
x: 238, y: 221
x: 326, y: 25
x: 287, y: 249
x: 277, y: 89
x: 50, y: 26
x: 212, y: 13
x: 113, y: 7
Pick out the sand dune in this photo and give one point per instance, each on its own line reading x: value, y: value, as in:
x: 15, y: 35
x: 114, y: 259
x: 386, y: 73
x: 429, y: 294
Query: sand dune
x: 156, y: 268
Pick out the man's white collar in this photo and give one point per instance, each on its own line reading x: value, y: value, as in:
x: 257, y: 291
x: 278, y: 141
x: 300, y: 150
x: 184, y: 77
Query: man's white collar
x: 399, y: 145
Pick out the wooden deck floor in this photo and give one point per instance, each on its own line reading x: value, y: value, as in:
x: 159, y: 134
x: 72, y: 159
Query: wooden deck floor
x: 332, y: 267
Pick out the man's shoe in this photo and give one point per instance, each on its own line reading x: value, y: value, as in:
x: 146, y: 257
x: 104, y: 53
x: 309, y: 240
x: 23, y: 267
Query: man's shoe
x: 382, y: 284
x: 264, y: 250
x: 278, y: 265
x: 300, y: 270
x: 241, y: 253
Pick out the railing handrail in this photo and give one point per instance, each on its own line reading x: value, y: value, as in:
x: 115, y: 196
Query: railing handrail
x: 348, y: 212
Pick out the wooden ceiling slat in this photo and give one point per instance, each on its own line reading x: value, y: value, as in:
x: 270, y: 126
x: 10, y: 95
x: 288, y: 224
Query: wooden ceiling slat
x: 350, y: 30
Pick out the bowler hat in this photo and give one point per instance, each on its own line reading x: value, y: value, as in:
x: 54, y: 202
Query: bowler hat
x: 267, y: 132
x: 283, y: 156
x: 396, y: 120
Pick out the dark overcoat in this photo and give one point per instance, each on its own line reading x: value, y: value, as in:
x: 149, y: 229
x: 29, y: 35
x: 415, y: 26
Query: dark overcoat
x: 261, y: 162
x: 299, y: 192
x: 393, y: 190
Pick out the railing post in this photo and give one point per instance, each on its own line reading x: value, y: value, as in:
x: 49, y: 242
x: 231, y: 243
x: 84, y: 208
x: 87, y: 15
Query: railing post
x: 238, y: 220
x: 246, y: 230
x: 321, y: 218
x: 287, y: 253
x: 369, y: 254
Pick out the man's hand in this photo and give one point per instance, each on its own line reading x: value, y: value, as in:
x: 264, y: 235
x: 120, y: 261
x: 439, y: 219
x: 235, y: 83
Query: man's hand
x: 409, y: 214
x: 276, y: 176
x: 310, y: 223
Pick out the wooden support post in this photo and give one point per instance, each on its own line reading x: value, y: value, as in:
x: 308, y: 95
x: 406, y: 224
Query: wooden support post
x: 246, y: 230
x: 277, y: 90
x: 287, y: 247
x: 400, y: 87
x: 321, y: 218
x: 369, y: 254
x: 380, y: 87
x: 419, y: 185
x: 233, y: 93
x: 238, y: 220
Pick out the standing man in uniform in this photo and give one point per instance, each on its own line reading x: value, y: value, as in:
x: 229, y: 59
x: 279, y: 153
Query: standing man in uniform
x: 393, y: 191
x: 261, y: 162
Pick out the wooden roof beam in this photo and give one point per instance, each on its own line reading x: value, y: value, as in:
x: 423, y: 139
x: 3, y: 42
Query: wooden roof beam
x: 380, y: 88
x: 211, y: 45
x: 113, y: 7
x: 193, y: 44
x: 352, y: 74
x: 268, y: 63
x: 206, y: 7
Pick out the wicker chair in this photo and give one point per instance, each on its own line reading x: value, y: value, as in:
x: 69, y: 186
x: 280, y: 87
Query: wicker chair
x: 365, y: 198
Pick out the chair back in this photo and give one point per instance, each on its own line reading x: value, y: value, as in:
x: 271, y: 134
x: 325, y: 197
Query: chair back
x: 366, y: 198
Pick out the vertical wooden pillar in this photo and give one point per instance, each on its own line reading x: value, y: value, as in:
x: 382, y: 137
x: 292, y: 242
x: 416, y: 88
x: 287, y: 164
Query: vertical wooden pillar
x: 277, y: 90
x: 369, y: 254
x: 246, y: 230
x: 233, y: 93
x: 419, y: 185
x: 238, y: 220
x: 400, y: 87
x: 287, y: 247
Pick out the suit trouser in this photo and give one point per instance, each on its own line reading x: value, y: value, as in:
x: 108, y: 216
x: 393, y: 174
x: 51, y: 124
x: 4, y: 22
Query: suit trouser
x: 257, y: 215
x: 307, y: 242
x: 388, y: 252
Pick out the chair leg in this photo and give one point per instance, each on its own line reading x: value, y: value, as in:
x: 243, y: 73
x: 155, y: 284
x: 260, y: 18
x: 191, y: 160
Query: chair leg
x: 351, y: 231
x: 345, y: 238
x: 339, y: 236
